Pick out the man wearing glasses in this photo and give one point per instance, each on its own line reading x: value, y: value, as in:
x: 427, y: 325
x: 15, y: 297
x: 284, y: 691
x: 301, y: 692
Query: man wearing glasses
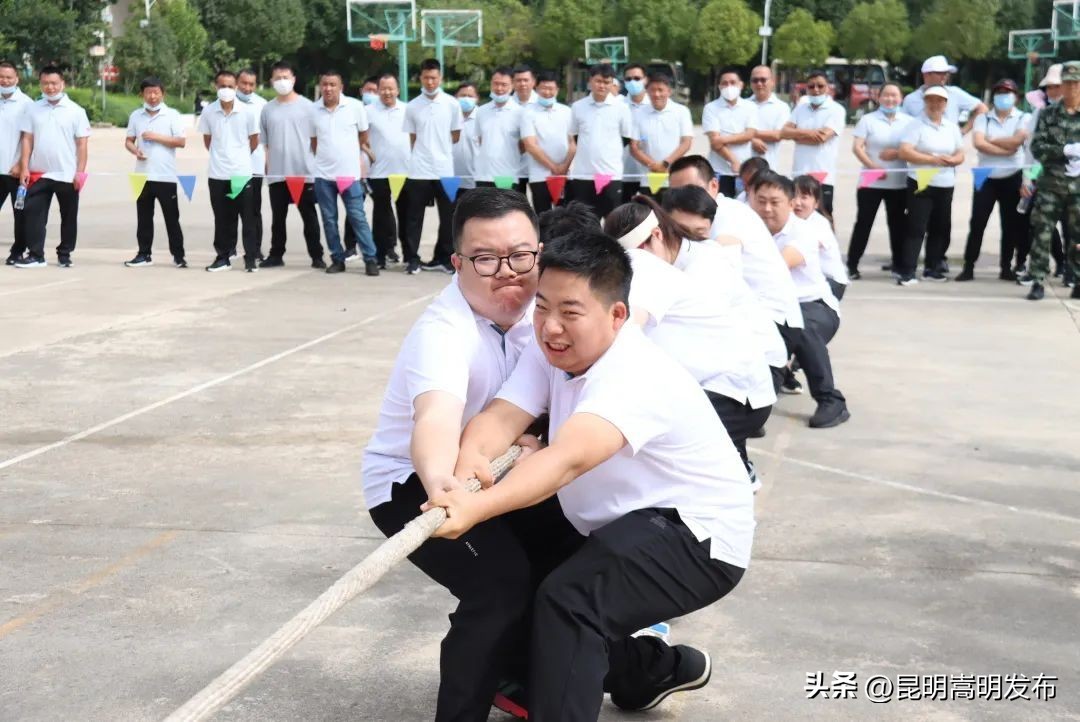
x: 772, y: 115
x: 815, y: 126
x: 636, y: 100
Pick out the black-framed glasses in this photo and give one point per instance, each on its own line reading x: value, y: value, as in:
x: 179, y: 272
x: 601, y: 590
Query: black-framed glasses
x: 488, y: 264
x: 759, y: 81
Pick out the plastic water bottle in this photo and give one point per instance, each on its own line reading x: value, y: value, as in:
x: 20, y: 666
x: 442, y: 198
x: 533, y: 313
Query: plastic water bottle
x: 1024, y: 205
x: 20, y: 198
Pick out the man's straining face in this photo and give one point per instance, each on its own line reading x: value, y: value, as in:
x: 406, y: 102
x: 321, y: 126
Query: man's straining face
x: 773, y: 205
x: 504, y: 295
x: 573, y: 325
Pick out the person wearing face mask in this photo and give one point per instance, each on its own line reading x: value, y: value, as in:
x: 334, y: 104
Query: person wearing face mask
x: 636, y: 100
x: 390, y: 146
x: 13, y: 103
x: 369, y: 91
x: 246, y: 82
x: 285, y: 131
x: 154, y: 132
x: 54, y: 130
x: 524, y: 95
x: 498, y: 127
x: 602, y: 126
x: 816, y: 126
x: 467, y: 148
x: 545, y: 133
x: 772, y: 115
x: 730, y: 124
x: 999, y: 136
x: 664, y: 131
x: 935, y: 73
x: 877, y: 146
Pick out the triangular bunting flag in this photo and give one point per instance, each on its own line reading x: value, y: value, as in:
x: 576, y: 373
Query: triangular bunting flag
x: 1032, y: 173
x: 35, y: 176
x: 979, y: 176
x: 344, y: 183
x: 601, y: 181
x: 397, y: 182
x: 450, y: 186
x: 819, y: 175
x: 237, y: 184
x: 555, y: 186
x: 504, y: 181
x: 187, y: 182
x: 923, y: 176
x: 295, y: 184
x: 870, y: 175
x: 656, y: 182
x: 80, y: 180
x: 137, y: 181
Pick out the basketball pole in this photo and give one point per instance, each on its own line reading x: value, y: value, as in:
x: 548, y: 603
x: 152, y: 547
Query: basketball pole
x: 403, y: 70
x: 439, y: 40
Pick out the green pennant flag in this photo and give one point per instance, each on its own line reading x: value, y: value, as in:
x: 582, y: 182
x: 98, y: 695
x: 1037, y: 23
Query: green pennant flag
x: 504, y: 181
x: 237, y: 184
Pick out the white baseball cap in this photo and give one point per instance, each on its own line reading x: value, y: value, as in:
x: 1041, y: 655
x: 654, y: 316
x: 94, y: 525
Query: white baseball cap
x: 937, y: 64
x: 1052, y: 77
x: 936, y: 91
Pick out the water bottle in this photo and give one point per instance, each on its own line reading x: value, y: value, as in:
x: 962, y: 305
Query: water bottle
x: 1024, y: 205
x: 20, y: 198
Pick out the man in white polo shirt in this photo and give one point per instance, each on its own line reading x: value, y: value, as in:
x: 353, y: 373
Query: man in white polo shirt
x: 524, y: 95
x: 55, y: 130
x: 246, y: 84
x: 549, y: 146
x: 13, y: 103
x: 640, y: 464
x: 729, y: 123
x: 772, y: 115
x: 498, y: 128
x: 433, y: 122
x: 936, y: 71
x: 154, y: 132
x: 602, y: 125
x: 390, y: 144
x: 816, y: 126
x: 468, y: 145
x: 637, y: 100
x: 663, y: 131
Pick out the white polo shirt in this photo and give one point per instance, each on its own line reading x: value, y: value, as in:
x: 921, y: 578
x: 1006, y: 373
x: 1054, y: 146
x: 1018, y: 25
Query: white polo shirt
x: 959, y: 100
x: 160, y: 163
x: 772, y: 114
x: 523, y: 169
x: 388, y: 139
x: 337, y: 153
x: 55, y: 128
x: 810, y: 283
x: 551, y: 128
x: 452, y: 349
x: 813, y: 158
x: 927, y: 137
x: 832, y: 261
x: 991, y: 126
x: 633, y: 170
x: 499, y: 129
x: 659, y: 132
x: 256, y: 104
x: 285, y: 131
x: 230, y: 145
x: 600, y: 128
x: 763, y: 268
x: 432, y: 120
x: 677, y: 456
x: 882, y: 134
x: 722, y: 117
x: 466, y: 150
x: 12, y: 108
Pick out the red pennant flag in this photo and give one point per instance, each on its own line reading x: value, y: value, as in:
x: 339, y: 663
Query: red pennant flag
x: 819, y: 175
x: 601, y: 181
x: 295, y: 184
x: 35, y: 176
x: 555, y: 185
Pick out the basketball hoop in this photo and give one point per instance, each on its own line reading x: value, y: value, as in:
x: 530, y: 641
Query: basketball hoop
x: 378, y: 42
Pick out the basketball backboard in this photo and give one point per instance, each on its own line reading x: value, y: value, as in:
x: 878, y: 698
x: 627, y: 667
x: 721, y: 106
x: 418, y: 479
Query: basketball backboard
x: 1026, y: 44
x: 1066, y: 20
x: 614, y: 50
x: 394, y: 20
x: 452, y: 28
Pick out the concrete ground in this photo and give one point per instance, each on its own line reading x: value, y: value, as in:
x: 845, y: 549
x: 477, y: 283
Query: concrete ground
x: 179, y: 475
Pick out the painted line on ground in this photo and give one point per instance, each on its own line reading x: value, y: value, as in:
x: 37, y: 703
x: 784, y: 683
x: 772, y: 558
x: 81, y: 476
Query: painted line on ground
x: 39, y: 287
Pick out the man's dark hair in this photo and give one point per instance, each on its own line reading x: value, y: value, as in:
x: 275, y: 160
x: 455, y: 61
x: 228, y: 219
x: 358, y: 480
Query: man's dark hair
x: 658, y: 77
x: 561, y: 220
x: 151, y: 82
x: 224, y: 74
x: 8, y: 64
x: 698, y: 162
x: 547, y: 76
x: 332, y: 73
x: 752, y: 166
x: 591, y: 254
x: 51, y: 70
x: 430, y: 64
x: 772, y: 179
x: 730, y: 69
x: 519, y: 69
x: 603, y: 70
x: 249, y: 71
x: 283, y: 65
x: 690, y: 199
x: 467, y: 84
x: 631, y: 66
x: 489, y: 203
x: 373, y: 79
x: 385, y: 76
x: 816, y: 74
x: 503, y: 70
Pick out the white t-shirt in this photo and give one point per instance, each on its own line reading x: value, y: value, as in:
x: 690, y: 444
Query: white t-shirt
x: 466, y: 150
x: 551, y: 128
x: 772, y: 114
x: 337, y: 153
x: 160, y: 163
x: 992, y: 127
x: 388, y: 139
x: 813, y: 158
x: 432, y: 120
x: 55, y: 128
x: 959, y: 100
x: 600, y: 128
x: 941, y: 139
x: 810, y: 283
x: 285, y: 131
x: 633, y: 170
x: 719, y: 116
x: 12, y: 108
x: 255, y: 104
x: 763, y: 268
x: 499, y: 129
x: 452, y: 349
x: 832, y: 261
x: 677, y: 453
x: 230, y: 144
x: 659, y: 132
x: 881, y: 134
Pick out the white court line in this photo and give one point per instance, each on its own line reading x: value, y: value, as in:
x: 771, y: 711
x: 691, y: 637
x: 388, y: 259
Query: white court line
x: 945, y: 299
x: 13, y: 291
x: 206, y: 385
x: 922, y: 490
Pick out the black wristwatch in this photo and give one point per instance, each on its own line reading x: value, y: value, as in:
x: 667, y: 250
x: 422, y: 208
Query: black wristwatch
x: 665, y: 164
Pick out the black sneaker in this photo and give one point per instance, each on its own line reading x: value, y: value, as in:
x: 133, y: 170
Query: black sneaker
x: 1059, y: 272
x: 790, y: 384
x: 942, y: 267
x: 139, y: 261
x: 511, y: 699
x: 755, y: 480
x: 271, y: 262
x: 1006, y: 275
x: 251, y: 266
x: 1025, y: 279
x: 431, y: 265
x: 64, y: 261
x: 352, y: 256
x: 12, y: 260
x: 382, y: 264
x: 1036, y: 293
x: 179, y: 262
x: 413, y: 268
x: 828, y: 414
x: 446, y: 268
x: 371, y: 268
x: 853, y: 274
x: 692, y: 671
x: 393, y: 257
x: 886, y: 266
x: 968, y: 274
x: 219, y: 264
x: 336, y: 267
x: 318, y: 263
x: 30, y: 262
x: 758, y: 434
x: 906, y: 281
x: 934, y: 275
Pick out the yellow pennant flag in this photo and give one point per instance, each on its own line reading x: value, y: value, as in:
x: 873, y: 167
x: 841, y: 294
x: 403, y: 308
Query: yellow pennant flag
x: 137, y: 181
x: 656, y: 182
x: 397, y: 180
x: 923, y: 176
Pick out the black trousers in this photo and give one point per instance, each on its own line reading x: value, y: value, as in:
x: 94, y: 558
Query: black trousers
x: 541, y: 197
x: 867, y: 201
x: 38, y: 200
x: 493, y: 570
x: 280, y: 202
x: 9, y: 187
x: 929, y: 215
x: 727, y: 185
x: 809, y: 346
x: 165, y: 194
x: 602, y: 203
x: 740, y: 420
x: 419, y: 193
x: 256, y: 184
x: 639, y: 569
x: 1005, y: 192
x: 630, y: 189
x: 228, y: 213
x: 387, y: 230
x: 827, y: 197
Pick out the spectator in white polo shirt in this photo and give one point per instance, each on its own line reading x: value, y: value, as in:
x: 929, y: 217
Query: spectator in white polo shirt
x: 637, y: 100
x: 246, y: 84
x: 390, y: 144
x: 231, y: 133
x: 935, y: 72
x: 772, y: 115
x: 729, y: 123
x: 545, y: 134
x: 339, y: 128
x: 55, y: 130
x: 154, y: 132
x: 433, y: 122
x: 816, y: 127
x: 524, y: 96
x: 468, y: 145
x: 602, y: 125
x: 663, y: 131
x: 13, y: 103
x: 498, y: 128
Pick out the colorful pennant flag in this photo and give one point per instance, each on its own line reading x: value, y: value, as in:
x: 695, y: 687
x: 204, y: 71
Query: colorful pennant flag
x: 295, y: 184
x: 80, y: 180
x: 1032, y: 173
x: 870, y: 175
x: 397, y: 182
x: 137, y: 181
x: 979, y: 176
x: 601, y: 181
x: 923, y: 176
x: 187, y: 182
x: 656, y: 181
x: 237, y: 184
x: 555, y: 186
x: 450, y: 186
x: 344, y: 183
x: 819, y: 175
x: 504, y: 181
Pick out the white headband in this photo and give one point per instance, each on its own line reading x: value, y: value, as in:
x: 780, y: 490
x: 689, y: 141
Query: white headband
x: 639, y: 233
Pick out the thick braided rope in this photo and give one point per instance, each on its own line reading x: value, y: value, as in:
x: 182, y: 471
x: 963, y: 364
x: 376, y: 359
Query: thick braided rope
x: 222, y: 690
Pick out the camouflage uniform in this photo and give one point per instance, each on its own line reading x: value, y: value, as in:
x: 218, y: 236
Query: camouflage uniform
x: 1058, y: 193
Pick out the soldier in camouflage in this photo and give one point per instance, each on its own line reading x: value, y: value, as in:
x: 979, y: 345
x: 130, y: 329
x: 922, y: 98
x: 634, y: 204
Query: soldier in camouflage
x: 1056, y: 145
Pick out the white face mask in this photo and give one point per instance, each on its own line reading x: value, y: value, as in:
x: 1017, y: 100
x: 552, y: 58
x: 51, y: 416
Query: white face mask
x: 729, y: 92
x: 53, y: 98
x: 152, y: 108
x: 284, y: 86
x: 9, y: 91
x: 226, y: 95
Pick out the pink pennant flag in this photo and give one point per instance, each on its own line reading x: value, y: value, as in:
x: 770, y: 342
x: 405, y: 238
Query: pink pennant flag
x: 870, y: 175
x: 601, y: 181
x: 819, y: 175
x: 80, y: 180
x: 344, y: 183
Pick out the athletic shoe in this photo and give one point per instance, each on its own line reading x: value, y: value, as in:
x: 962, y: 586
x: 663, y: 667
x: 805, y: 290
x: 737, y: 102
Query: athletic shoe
x: 829, y: 414
x: 393, y: 257
x: 351, y: 256
x: 12, y: 260
x: 759, y: 434
x: 1036, y: 293
x: 934, y: 275
x: 511, y: 698
x: 271, y: 262
x: 318, y: 263
x: 1006, y: 275
x: 413, y: 268
x: 371, y: 268
x: 790, y: 384
x: 219, y: 264
x: 1025, y: 279
x: 692, y: 671
x: 336, y: 267
x: 907, y: 281
x: 179, y: 262
x: 64, y: 261
x: 431, y: 265
x: 1075, y: 292
x: 968, y: 274
x: 755, y: 480
x: 853, y: 274
x: 30, y: 262
x: 1059, y: 272
x: 382, y: 264
x: 139, y: 261
x: 942, y: 267
x: 660, y: 630
x: 251, y: 266
x: 886, y: 266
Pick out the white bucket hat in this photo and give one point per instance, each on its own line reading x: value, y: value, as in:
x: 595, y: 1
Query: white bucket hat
x: 1052, y: 77
x: 937, y: 64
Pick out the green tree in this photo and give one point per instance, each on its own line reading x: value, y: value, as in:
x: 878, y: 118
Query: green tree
x: 877, y: 29
x: 561, y: 28
x: 725, y: 34
x: 260, y: 31
x: 802, y: 42
x: 43, y: 29
x: 190, y: 46
x: 958, y: 29
x: 140, y: 51
x: 656, y: 28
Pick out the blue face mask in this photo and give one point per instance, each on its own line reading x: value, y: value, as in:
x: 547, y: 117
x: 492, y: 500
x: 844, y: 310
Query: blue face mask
x: 817, y: 100
x: 243, y: 97
x: 890, y: 111
x: 9, y: 91
x: 634, y: 87
x: 467, y: 104
x: 1004, y: 101
x: 544, y: 102
x: 500, y: 98
x: 369, y: 98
